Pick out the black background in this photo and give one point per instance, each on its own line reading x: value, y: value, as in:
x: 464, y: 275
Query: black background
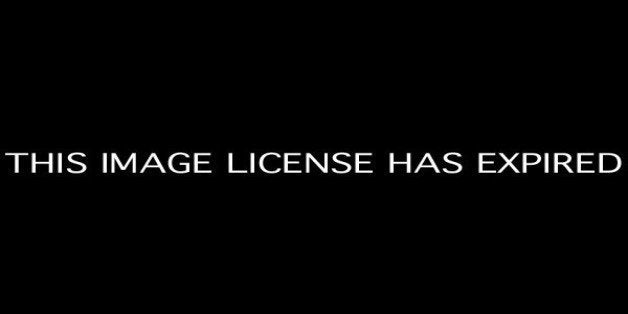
x: 399, y: 80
